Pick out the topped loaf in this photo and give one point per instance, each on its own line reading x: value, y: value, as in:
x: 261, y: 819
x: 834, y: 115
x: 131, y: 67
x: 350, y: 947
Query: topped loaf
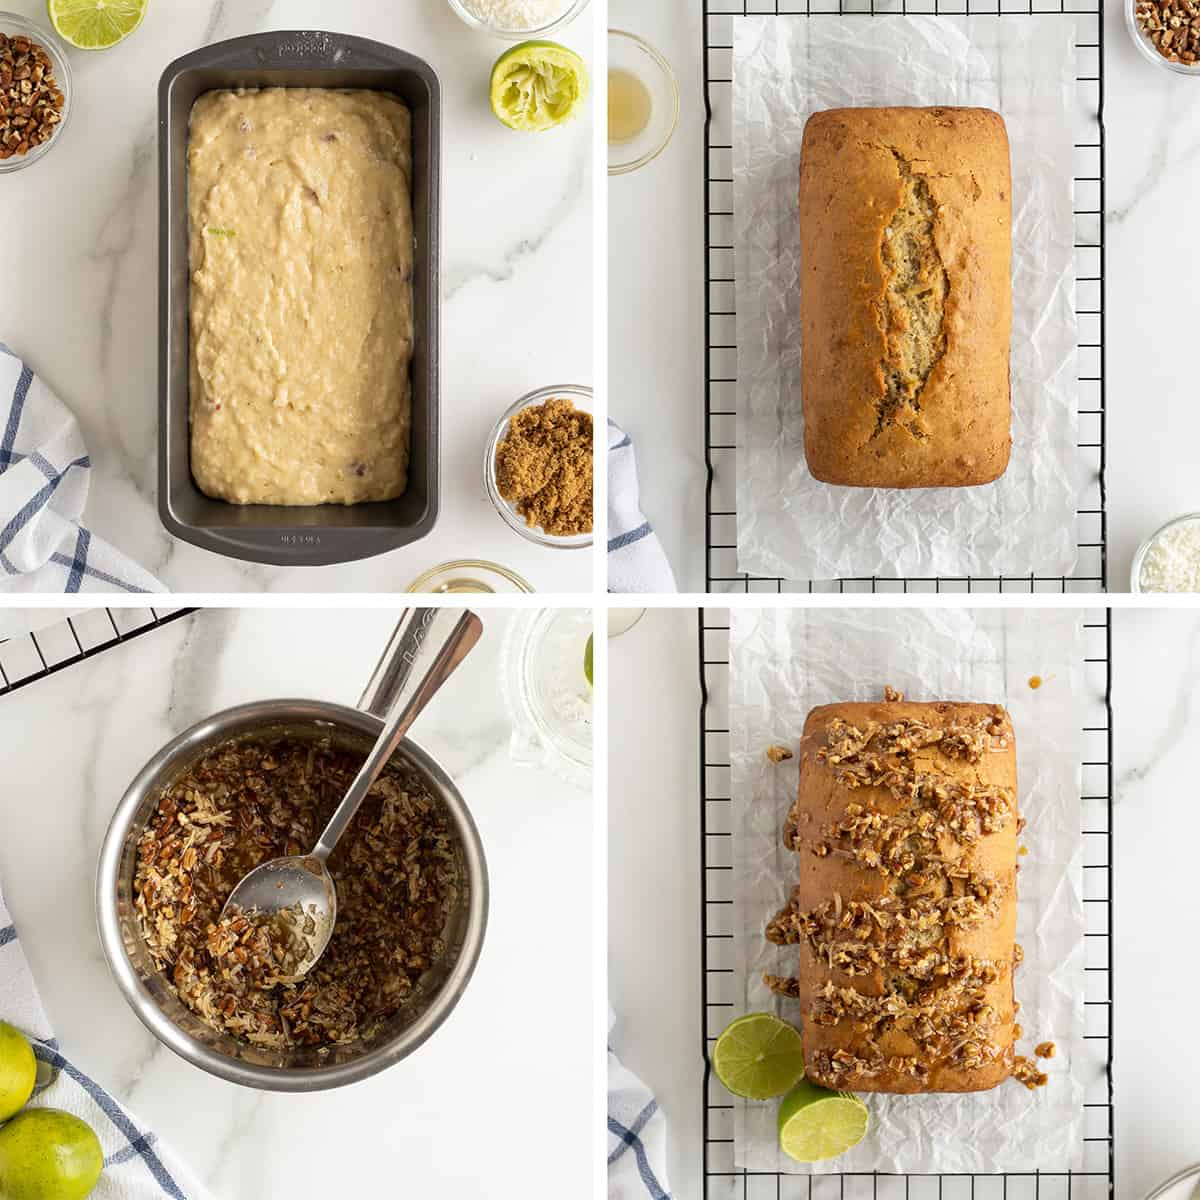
x: 905, y: 828
x: 906, y: 296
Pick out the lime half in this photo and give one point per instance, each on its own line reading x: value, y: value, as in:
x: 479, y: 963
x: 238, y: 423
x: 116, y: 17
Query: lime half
x: 759, y: 1056
x: 95, y: 24
x: 588, y: 668
x: 816, y: 1124
x: 538, y: 85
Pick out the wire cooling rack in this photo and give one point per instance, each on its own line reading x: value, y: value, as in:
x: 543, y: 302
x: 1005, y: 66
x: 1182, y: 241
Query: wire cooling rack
x: 721, y: 569
x: 62, y: 644
x: 719, y: 985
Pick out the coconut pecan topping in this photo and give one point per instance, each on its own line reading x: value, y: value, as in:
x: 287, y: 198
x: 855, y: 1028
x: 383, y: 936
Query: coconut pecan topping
x: 1026, y: 1071
x: 923, y: 1003
x: 783, y: 985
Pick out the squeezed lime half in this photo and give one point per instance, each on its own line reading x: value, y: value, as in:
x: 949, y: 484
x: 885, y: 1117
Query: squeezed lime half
x: 538, y: 85
x: 758, y: 1056
x: 816, y: 1123
x: 95, y: 24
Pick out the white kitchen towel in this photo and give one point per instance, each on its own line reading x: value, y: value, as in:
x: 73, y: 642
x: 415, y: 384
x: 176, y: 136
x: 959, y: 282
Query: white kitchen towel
x: 44, y: 470
x: 636, y: 562
x: 637, y: 1136
x: 137, y: 1166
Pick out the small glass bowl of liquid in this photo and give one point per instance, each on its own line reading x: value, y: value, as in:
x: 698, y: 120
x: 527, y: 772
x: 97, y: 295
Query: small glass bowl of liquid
x: 470, y: 577
x: 643, y: 102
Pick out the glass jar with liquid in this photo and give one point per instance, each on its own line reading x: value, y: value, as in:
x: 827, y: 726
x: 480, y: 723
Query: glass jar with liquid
x: 643, y: 102
x: 469, y: 576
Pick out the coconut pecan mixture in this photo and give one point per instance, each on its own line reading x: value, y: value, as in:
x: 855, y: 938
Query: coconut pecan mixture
x: 1026, y: 1071
x: 783, y: 985
x: 396, y: 872
x: 268, y: 948
x: 939, y: 998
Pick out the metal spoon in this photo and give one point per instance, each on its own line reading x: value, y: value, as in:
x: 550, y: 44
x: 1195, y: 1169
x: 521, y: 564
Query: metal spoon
x: 297, y: 891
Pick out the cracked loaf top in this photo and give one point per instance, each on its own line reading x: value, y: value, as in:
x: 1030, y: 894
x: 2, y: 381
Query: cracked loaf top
x: 906, y: 296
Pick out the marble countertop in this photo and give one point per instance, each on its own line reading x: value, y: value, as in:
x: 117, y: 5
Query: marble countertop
x: 81, y: 228
x: 472, y: 1106
x: 654, y: 917
x: 656, y: 331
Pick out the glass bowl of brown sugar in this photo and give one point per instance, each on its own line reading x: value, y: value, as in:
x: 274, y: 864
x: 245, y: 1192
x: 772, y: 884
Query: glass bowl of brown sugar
x: 538, y: 467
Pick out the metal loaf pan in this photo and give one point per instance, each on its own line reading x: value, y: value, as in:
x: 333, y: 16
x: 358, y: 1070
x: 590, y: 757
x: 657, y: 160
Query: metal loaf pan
x: 328, y: 533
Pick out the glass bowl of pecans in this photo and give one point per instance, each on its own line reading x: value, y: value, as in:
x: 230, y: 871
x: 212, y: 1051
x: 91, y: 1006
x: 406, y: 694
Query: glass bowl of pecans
x: 1167, y: 32
x: 35, y: 92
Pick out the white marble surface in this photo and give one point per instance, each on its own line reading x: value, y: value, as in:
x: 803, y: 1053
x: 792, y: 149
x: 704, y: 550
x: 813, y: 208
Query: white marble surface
x: 657, y: 319
x: 654, y: 915
x: 498, y: 1102
x: 79, y: 298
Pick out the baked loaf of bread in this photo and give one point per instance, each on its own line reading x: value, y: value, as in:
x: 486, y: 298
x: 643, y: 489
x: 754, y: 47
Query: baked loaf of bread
x: 905, y: 913
x: 906, y: 296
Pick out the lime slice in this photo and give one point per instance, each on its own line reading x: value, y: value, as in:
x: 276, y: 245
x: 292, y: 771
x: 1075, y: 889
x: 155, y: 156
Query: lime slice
x: 538, y: 85
x: 95, y: 24
x: 816, y: 1124
x: 758, y: 1056
x: 587, y: 661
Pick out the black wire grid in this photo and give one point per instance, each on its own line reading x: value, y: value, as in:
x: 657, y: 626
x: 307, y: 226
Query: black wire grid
x: 721, y: 985
x: 33, y: 656
x: 721, y: 568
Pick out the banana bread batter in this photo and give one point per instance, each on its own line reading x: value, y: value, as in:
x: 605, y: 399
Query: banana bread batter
x: 301, y: 251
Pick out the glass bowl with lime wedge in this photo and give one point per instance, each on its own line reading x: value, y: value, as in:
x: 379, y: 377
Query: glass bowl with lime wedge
x: 14, y: 26
x: 547, y: 681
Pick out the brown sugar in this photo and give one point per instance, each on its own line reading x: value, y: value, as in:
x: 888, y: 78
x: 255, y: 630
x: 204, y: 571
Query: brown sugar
x: 544, y: 467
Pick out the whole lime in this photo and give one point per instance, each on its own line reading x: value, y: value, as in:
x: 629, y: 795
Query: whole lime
x: 47, y: 1154
x: 18, y: 1070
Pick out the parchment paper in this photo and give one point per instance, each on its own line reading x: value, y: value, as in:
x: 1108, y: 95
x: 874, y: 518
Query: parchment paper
x: 789, y: 525
x: 783, y: 663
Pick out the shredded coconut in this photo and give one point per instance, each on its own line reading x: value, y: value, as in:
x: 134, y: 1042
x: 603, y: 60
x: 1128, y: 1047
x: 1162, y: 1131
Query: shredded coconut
x: 1172, y: 561
x: 516, y: 14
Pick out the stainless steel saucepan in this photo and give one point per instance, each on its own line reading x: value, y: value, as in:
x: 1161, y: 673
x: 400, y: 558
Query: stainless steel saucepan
x: 149, y: 993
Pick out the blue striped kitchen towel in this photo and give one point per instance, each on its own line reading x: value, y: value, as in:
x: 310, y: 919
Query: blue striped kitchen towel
x: 44, y: 470
x: 637, y: 1136
x: 636, y: 562
x: 137, y: 1166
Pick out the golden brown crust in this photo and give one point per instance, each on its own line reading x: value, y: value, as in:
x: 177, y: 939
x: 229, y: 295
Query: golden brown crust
x: 905, y: 910
x: 952, y: 427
